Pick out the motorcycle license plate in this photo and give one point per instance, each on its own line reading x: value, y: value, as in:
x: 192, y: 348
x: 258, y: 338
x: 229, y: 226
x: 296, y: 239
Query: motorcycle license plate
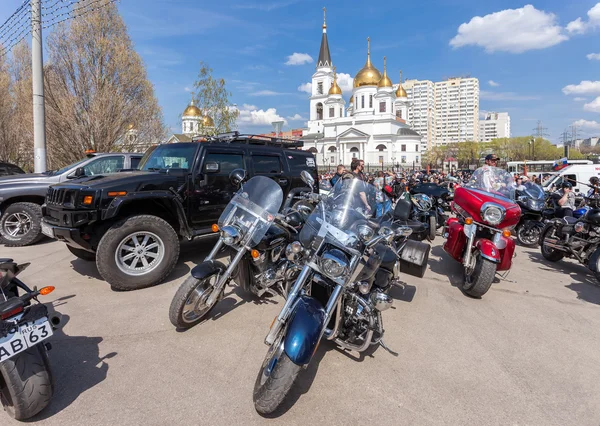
x: 47, y: 230
x: 26, y: 336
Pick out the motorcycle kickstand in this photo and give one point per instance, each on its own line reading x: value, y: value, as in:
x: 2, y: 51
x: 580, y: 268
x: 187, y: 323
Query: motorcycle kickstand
x: 384, y: 346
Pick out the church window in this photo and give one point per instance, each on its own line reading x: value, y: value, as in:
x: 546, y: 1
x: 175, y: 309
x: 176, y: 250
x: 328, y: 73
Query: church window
x: 356, y: 100
x: 399, y: 113
x: 417, y: 147
x: 319, y: 111
x: 341, y: 112
x: 331, y: 112
x: 381, y: 106
x: 403, y: 159
x: 332, y: 159
x: 403, y: 148
x: 362, y: 101
x: 370, y: 101
x: 320, y: 87
x: 380, y: 148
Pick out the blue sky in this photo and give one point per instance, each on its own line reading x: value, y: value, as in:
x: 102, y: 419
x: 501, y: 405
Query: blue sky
x: 531, y: 60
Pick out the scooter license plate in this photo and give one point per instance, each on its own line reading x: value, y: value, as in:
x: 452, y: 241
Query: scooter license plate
x: 469, y: 229
x: 26, y: 336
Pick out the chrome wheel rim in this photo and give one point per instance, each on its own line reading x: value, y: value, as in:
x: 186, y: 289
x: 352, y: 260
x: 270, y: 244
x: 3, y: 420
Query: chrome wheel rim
x: 271, y: 359
x: 139, y: 253
x: 17, y: 224
x: 529, y: 237
x: 469, y: 270
x: 196, y: 305
x: 549, y: 234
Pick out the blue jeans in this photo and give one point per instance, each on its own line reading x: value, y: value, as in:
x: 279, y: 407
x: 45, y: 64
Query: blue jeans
x: 383, y: 207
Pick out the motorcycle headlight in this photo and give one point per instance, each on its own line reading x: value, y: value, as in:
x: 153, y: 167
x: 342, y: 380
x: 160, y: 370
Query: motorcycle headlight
x: 365, y: 232
x: 334, y: 263
x: 231, y: 235
x: 492, y: 214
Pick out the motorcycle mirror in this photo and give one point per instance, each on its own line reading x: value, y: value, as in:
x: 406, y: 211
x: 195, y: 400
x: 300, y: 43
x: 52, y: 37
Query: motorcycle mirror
x: 237, y: 176
x: 307, y: 178
x: 403, y: 231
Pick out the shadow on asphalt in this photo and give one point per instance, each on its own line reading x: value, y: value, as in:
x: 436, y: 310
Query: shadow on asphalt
x: 446, y: 266
x: 76, y: 367
x: 584, y: 283
x: 406, y: 294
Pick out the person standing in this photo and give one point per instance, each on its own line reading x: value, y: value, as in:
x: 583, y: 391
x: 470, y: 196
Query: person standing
x: 340, y: 171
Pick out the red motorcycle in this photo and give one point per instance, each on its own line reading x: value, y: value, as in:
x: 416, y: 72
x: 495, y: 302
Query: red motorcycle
x: 479, y: 235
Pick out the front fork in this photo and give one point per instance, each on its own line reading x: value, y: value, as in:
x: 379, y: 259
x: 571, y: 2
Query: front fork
x: 471, y: 231
x: 225, y: 277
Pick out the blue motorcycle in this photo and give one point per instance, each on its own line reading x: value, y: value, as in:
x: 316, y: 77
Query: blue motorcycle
x: 350, y: 261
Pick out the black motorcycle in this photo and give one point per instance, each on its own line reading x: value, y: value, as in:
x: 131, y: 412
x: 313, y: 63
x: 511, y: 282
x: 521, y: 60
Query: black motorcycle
x: 575, y: 237
x: 257, y: 235
x: 349, y: 263
x: 532, y: 200
x: 26, y: 385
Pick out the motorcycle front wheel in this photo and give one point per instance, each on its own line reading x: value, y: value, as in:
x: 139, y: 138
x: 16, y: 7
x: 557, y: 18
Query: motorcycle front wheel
x: 190, y: 304
x: 432, y: 228
x: 528, y: 237
x: 479, y: 278
x: 275, y: 378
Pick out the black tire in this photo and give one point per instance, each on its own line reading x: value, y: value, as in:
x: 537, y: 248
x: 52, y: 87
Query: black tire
x: 33, y: 233
x: 531, y: 240
x: 432, y: 228
x: 480, y: 280
x: 26, y: 384
x: 177, y: 314
x: 116, y: 235
x: 550, y: 254
x: 82, y: 254
x: 269, y: 395
x: 593, y: 264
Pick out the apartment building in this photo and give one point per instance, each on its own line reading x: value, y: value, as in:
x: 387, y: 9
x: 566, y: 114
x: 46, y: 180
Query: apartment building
x: 494, y: 125
x: 456, y: 110
x: 421, y: 110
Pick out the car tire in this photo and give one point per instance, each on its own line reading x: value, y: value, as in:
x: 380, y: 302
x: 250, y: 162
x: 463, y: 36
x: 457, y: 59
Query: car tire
x: 116, y: 265
x: 28, y: 211
x: 82, y: 254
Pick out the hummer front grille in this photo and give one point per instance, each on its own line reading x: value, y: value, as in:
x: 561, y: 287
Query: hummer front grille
x: 62, y: 197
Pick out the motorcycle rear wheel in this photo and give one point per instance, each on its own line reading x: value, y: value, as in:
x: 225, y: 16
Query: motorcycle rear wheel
x: 549, y: 253
x: 528, y: 237
x: 189, y: 305
x: 275, y: 379
x: 479, y: 280
x: 26, y: 384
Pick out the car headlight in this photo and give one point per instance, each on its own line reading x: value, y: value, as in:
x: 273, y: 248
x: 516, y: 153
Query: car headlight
x: 334, y: 263
x: 231, y: 235
x: 365, y: 232
x: 492, y: 214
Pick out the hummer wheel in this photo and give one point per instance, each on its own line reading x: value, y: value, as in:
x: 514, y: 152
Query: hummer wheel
x: 137, y: 252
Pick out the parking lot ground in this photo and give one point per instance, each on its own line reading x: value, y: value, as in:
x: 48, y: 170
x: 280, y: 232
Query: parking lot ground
x: 528, y: 353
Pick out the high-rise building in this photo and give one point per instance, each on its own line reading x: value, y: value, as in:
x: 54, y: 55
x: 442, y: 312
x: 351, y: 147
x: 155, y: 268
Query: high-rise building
x: 456, y: 110
x: 494, y: 125
x: 421, y: 110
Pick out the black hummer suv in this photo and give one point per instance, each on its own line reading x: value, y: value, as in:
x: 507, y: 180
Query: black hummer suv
x: 131, y: 223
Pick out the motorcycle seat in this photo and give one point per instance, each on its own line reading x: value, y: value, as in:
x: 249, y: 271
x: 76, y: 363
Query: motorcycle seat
x: 5, y: 260
x: 570, y: 220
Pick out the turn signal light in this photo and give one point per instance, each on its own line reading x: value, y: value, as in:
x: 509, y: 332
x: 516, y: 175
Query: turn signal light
x: 44, y: 291
x: 117, y: 193
x: 255, y: 254
x: 506, y: 233
x: 469, y: 221
x: 215, y: 227
x: 88, y: 199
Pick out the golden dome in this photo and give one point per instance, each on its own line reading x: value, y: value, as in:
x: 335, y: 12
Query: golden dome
x: 400, y: 92
x: 207, y: 121
x: 368, y: 75
x: 192, y: 110
x: 385, y: 80
x: 335, y: 89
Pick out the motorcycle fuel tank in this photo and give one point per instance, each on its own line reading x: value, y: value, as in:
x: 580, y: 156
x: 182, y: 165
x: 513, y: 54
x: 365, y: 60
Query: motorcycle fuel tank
x: 470, y: 201
x: 275, y: 235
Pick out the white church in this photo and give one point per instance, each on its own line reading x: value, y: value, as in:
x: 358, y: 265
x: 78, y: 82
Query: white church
x: 372, y: 127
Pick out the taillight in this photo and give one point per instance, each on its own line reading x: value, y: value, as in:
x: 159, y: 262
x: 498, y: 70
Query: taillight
x: 9, y: 314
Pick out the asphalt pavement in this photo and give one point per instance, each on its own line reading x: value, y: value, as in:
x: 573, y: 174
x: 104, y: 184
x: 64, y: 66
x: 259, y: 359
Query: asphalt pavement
x: 528, y: 353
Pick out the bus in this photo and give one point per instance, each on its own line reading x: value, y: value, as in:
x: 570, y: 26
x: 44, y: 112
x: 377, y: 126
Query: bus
x: 546, y: 166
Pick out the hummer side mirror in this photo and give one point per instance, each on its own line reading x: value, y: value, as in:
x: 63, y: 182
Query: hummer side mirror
x: 79, y: 172
x: 237, y: 176
x: 307, y: 179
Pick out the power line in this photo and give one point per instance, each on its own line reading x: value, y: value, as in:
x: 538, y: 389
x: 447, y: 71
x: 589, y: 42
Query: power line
x: 540, y: 131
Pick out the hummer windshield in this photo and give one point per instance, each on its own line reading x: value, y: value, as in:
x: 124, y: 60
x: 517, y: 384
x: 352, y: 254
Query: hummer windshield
x: 169, y: 156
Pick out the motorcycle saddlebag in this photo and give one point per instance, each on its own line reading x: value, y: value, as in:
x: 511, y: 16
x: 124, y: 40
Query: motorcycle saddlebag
x: 413, y: 258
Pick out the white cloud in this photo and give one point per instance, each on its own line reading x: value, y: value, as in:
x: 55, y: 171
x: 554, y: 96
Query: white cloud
x: 579, y: 26
x: 593, y: 56
x: 578, y: 99
x: 299, y: 59
x: 346, y: 82
x: 493, y: 83
x: 305, y: 87
x: 296, y: 117
x: 586, y: 87
x: 267, y: 93
x: 187, y: 89
x: 593, y: 106
x: 482, y: 113
x: 586, y: 124
x: 505, y: 96
x: 511, y: 30
x: 250, y: 115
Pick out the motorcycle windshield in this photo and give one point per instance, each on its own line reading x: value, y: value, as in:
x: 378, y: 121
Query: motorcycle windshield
x: 494, y: 180
x: 338, y: 213
x: 252, y: 209
x: 534, y: 191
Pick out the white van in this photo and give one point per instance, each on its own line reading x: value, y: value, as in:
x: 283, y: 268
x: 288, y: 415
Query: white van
x: 577, y: 175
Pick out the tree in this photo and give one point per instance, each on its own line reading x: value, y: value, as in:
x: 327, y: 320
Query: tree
x: 213, y: 100
x: 96, y: 87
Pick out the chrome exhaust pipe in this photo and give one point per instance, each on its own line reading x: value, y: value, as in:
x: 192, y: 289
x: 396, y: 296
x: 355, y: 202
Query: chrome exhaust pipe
x: 555, y: 246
